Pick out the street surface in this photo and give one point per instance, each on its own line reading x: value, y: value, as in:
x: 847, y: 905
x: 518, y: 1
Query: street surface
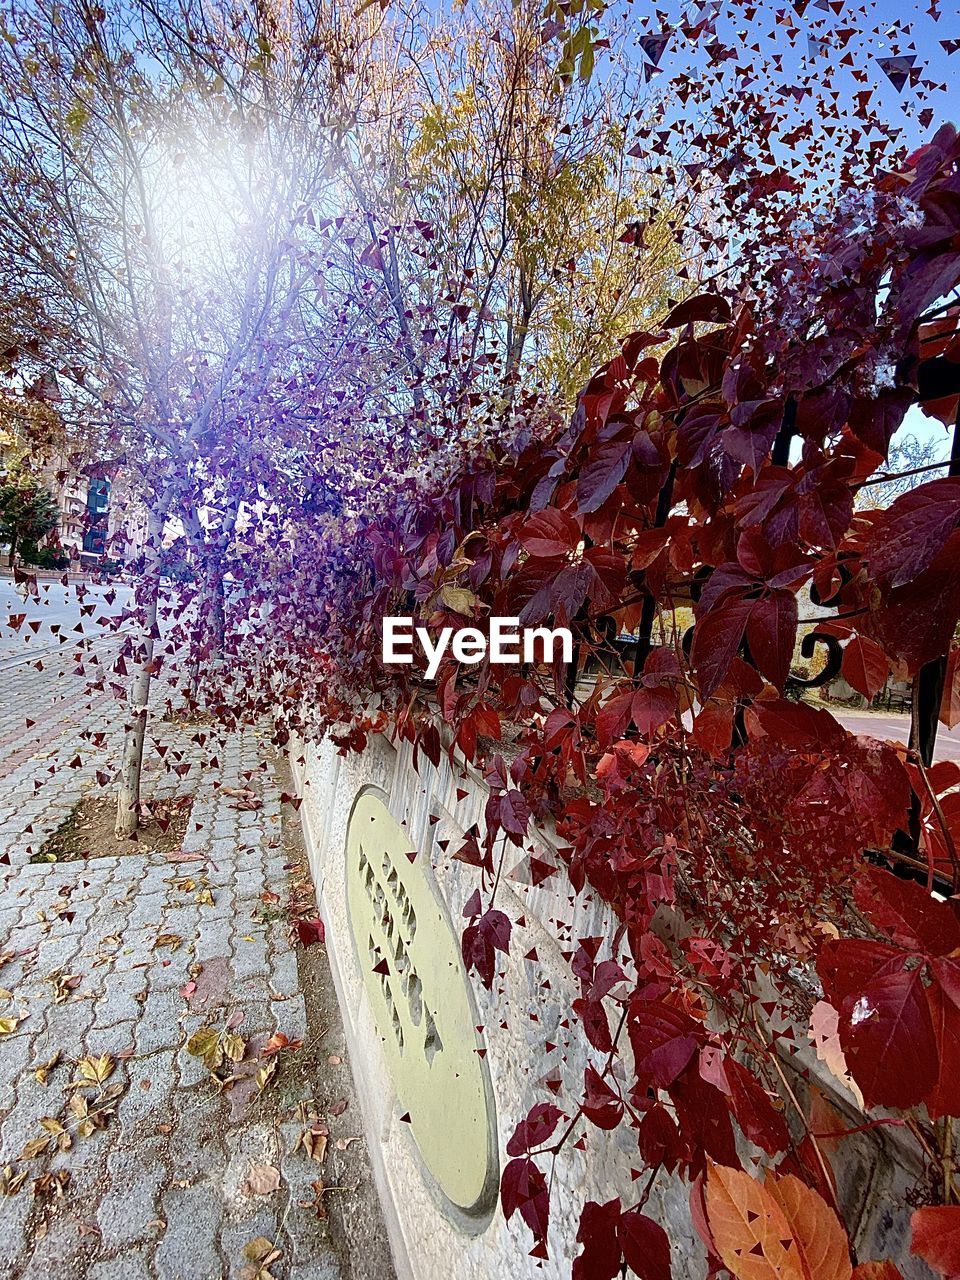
x: 122, y: 1156
x: 897, y: 727
x: 57, y: 613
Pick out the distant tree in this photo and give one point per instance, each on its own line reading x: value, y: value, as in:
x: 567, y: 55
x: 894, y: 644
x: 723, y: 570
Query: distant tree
x: 153, y: 213
x: 496, y: 203
x: 910, y: 462
x: 28, y: 512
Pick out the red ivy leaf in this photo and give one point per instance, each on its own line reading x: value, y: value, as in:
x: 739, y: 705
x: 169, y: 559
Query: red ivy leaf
x: 886, y: 1031
x: 310, y: 931
x: 523, y: 1189
x: 598, y: 1234
x: 645, y: 1245
x: 601, y: 1104
x: 936, y: 1238
x: 911, y: 532
x: 550, y: 533
x: 865, y: 666
x: 534, y: 1130
x: 705, y: 307
x: 664, y: 1040
x: 907, y: 913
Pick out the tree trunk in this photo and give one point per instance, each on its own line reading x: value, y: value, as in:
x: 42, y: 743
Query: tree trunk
x: 13, y: 549
x: 128, y: 797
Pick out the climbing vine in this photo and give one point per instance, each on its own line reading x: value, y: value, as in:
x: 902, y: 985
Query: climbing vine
x: 775, y: 877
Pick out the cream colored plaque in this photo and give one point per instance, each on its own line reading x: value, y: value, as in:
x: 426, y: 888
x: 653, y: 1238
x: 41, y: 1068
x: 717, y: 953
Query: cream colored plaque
x: 417, y: 987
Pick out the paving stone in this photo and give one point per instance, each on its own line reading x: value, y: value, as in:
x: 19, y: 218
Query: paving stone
x: 65, y: 1030
x: 250, y: 956
x: 290, y: 1017
x: 214, y: 938
x: 159, y: 1026
x: 121, y: 1001
x: 177, y: 1149
x: 128, y: 1211
x: 132, y: 1265
x: 113, y: 1040
x: 53, y: 1256
x: 143, y: 1106
x: 284, y: 974
x: 14, y: 1212
x: 16, y: 1052
x: 188, y: 1248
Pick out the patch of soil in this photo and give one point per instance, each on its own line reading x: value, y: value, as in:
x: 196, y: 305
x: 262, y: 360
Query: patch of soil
x: 88, y: 831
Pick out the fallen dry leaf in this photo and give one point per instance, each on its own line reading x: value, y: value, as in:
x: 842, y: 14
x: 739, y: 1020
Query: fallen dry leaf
x: 262, y: 1253
x: 310, y: 931
x: 178, y: 855
x: 314, y: 1142
x: 205, y: 1045
x: 263, y: 1180
x: 234, y: 1046
x: 10, y: 1182
x: 54, y: 1182
x: 42, y: 1071
x: 277, y: 1042
x: 35, y: 1147
x: 266, y: 1074
x: 96, y: 1070
x: 171, y: 940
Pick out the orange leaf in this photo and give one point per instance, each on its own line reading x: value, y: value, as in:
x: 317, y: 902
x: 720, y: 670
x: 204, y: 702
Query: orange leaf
x: 776, y: 1230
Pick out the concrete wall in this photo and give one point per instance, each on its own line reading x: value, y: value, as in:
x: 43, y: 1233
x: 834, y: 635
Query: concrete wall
x: 430, y: 1237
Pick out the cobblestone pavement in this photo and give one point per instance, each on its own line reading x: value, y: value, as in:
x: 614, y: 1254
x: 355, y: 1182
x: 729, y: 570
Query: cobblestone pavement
x: 111, y: 964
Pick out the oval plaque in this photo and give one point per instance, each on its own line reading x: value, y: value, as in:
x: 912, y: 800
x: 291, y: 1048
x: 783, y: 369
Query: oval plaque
x: 422, y: 1003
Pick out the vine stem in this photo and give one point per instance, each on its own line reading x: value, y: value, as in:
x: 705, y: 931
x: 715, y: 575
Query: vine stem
x: 947, y: 835
x: 821, y: 1159
x: 948, y: 1187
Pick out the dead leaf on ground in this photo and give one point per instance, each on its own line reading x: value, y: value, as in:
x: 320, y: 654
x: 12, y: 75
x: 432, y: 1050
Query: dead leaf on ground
x: 178, y: 855
x: 54, y: 1182
x: 57, y: 1132
x: 266, y: 1074
x: 262, y: 1253
x: 310, y: 932
x: 7, y: 1025
x: 10, y: 1182
x: 205, y: 1045
x: 277, y: 1042
x: 319, y: 1190
x: 314, y: 1142
x: 64, y: 984
x: 35, y: 1147
x: 263, y: 1180
x: 95, y: 1070
x: 171, y: 940
x: 43, y: 1070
